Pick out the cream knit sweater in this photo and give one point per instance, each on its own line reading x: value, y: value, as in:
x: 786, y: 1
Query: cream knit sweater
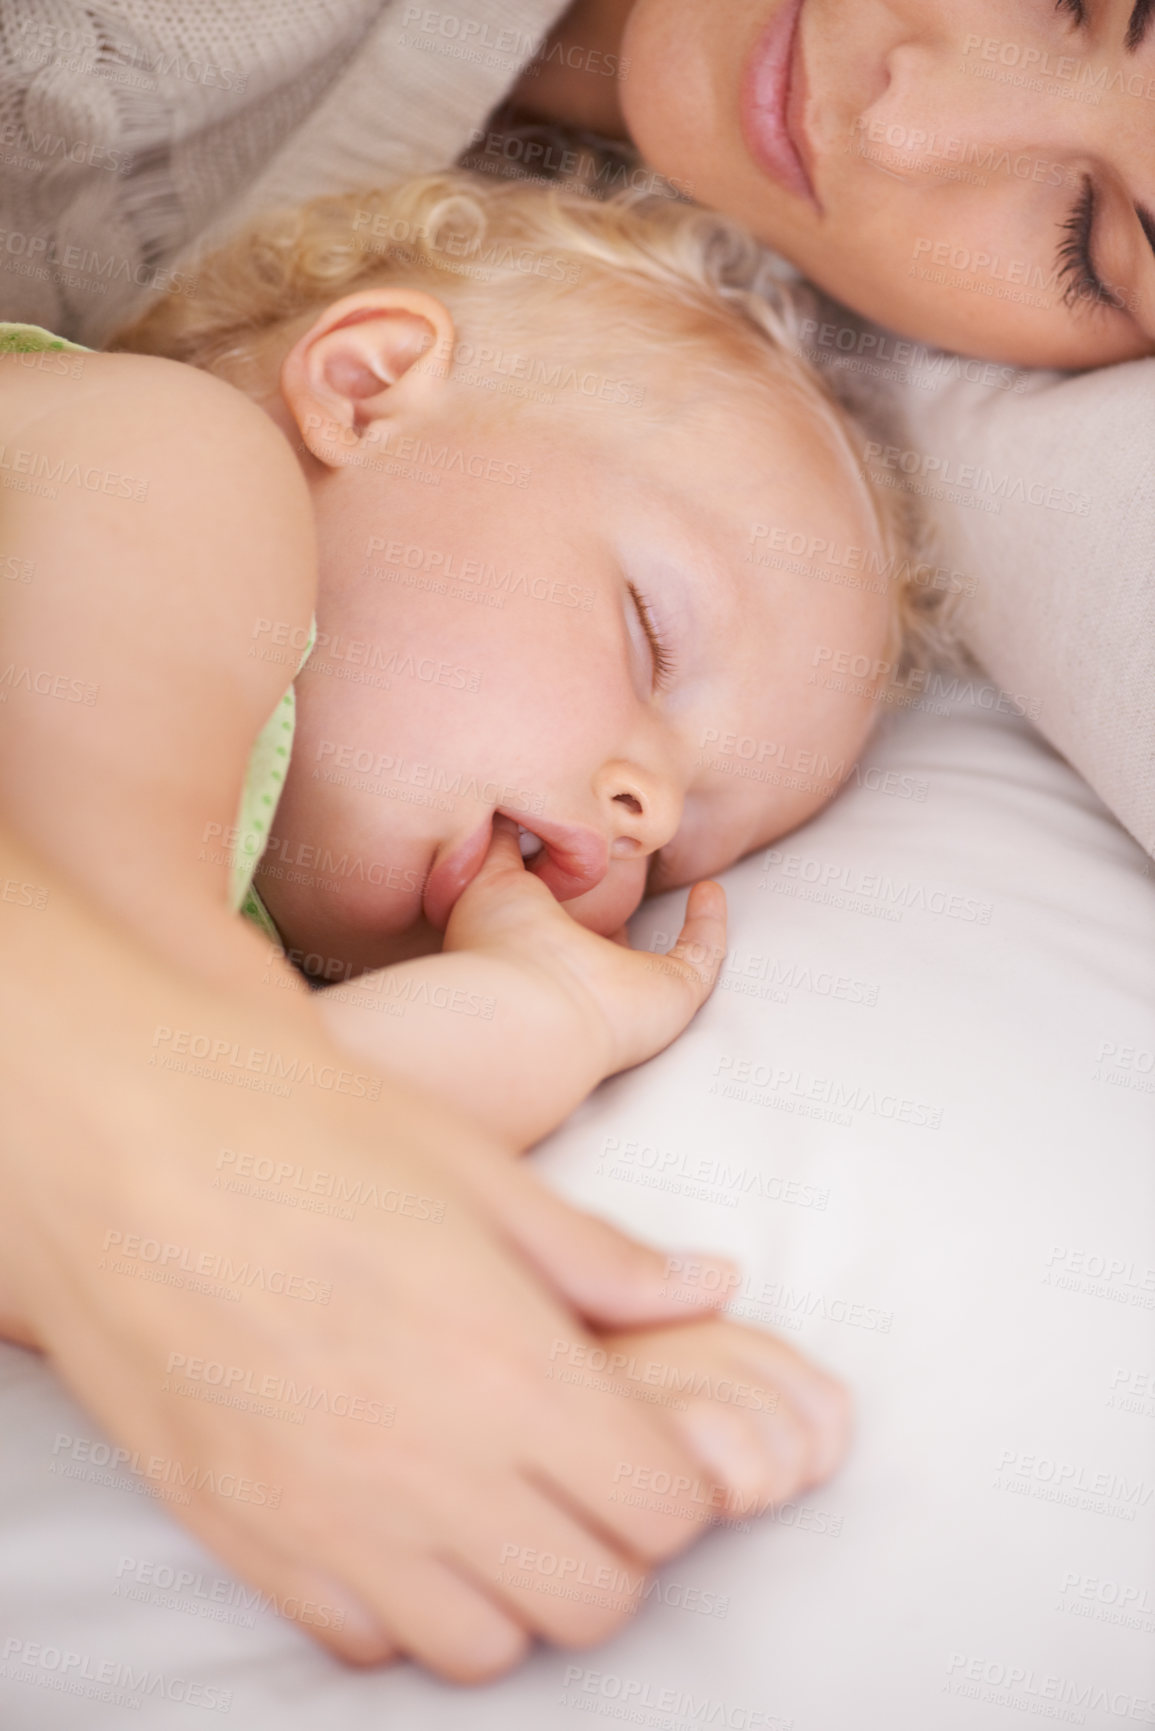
x: 131, y: 129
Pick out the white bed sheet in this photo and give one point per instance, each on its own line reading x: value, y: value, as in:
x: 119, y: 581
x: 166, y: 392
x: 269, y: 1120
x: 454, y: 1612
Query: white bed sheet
x: 937, y: 1172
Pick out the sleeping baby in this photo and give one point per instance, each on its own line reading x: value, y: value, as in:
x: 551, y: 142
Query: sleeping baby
x: 543, y: 442
x: 413, y: 575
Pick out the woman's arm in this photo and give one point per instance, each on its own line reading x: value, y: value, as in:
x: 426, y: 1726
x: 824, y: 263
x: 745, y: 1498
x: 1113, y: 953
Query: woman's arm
x: 168, y: 517
x: 329, y: 1341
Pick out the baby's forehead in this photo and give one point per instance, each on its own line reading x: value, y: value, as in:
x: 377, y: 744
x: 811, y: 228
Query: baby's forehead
x: 766, y: 437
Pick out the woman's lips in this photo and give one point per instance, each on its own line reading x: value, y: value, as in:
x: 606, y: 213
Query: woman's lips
x: 772, y: 99
x: 574, y: 859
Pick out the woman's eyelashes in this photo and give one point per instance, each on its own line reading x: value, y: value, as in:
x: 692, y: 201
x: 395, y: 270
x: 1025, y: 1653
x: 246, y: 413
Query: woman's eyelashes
x: 660, y: 656
x: 1142, y: 13
x: 1140, y: 24
x: 1076, y: 266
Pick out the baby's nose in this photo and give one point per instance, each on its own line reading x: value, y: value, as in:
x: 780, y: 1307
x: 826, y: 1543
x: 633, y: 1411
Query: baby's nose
x: 642, y: 809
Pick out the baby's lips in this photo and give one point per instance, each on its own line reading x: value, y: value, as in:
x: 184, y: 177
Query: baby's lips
x: 575, y: 857
x: 451, y: 877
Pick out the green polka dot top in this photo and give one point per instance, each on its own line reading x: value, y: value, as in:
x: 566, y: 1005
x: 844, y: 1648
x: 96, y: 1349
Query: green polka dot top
x: 268, y: 766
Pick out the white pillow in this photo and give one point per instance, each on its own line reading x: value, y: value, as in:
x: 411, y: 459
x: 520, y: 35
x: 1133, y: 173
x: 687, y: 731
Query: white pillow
x: 919, y: 1109
x: 1042, y: 486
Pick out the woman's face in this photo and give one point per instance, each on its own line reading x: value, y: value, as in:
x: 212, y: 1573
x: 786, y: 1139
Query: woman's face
x: 978, y: 174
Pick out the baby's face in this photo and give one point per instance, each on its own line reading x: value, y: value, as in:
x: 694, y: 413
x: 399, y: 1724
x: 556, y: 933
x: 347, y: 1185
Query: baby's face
x: 616, y: 630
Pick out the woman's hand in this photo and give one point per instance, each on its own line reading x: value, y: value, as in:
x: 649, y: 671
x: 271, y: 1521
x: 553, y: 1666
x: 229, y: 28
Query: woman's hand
x: 632, y: 1003
x: 330, y: 1324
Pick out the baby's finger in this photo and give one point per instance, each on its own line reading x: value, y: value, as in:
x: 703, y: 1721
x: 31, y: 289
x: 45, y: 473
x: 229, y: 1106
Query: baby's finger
x: 502, y: 858
x: 503, y: 851
x: 822, y: 1401
x: 670, y: 989
x: 701, y: 944
x: 497, y: 887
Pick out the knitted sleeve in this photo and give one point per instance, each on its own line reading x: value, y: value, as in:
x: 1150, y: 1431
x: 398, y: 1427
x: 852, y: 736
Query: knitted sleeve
x: 131, y: 131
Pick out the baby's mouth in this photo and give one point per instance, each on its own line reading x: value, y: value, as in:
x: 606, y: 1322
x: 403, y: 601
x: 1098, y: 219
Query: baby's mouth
x: 568, y: 858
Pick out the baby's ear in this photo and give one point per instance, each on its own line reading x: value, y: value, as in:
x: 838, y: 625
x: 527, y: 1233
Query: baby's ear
x: 368, y: 358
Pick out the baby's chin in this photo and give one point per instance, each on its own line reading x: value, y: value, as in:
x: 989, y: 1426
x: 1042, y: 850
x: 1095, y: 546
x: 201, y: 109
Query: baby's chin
x: 604, y: 910
x: 607, y: 908
x: 329, y: 958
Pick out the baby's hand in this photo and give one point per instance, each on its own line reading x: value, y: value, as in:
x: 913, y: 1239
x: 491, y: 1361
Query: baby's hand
x: 634, y: 1003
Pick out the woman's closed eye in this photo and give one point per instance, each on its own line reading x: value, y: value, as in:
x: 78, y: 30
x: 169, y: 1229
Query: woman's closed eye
x: 1076, y: 264
x: 1139, y: 23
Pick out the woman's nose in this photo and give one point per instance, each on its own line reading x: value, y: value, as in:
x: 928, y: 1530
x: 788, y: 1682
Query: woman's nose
x: 640, y: 807
x: 943, y: 119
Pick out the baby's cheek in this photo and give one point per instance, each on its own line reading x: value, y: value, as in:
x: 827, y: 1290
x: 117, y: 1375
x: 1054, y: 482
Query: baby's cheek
x: 606, y: 909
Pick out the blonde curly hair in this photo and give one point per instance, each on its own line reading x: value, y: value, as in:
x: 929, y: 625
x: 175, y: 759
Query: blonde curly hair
x: 672, y: 281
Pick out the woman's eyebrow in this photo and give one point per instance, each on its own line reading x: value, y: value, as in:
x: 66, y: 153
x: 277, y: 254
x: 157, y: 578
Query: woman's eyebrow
x: 1141, y: 20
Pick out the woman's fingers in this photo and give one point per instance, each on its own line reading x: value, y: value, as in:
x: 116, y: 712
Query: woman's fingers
x: 449, y: 1621
x: 568, y: 1583
x: 525, y: 1557
x: 326, y: 1608
x: 608, y: 1278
